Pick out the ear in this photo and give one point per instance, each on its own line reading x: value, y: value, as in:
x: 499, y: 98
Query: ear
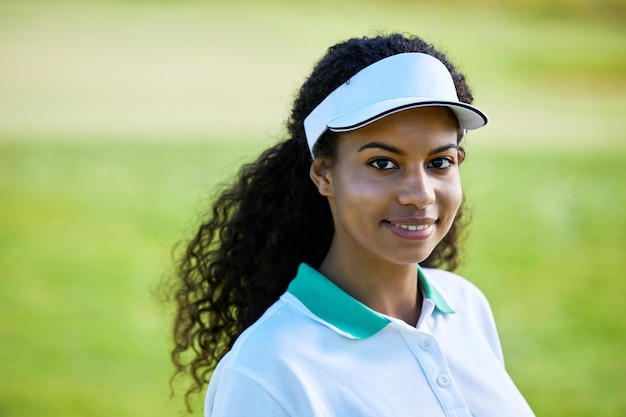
x: 461, y: 155
x: 320, y: 173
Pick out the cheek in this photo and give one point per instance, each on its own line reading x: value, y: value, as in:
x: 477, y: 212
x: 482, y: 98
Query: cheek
x: 349, y: 202
x: 452, y: 196
x: 458, y: 196
x: 356, y: 197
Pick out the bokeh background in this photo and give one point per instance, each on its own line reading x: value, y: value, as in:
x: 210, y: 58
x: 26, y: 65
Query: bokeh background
x: 118, y: 119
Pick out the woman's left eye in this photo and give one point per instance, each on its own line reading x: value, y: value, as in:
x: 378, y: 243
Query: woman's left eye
x: 383, y: 164
x: 441, y: 163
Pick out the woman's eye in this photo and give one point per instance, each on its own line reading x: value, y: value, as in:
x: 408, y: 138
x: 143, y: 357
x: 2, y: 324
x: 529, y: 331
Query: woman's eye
x: 441, y: 163
x: 383, y: 164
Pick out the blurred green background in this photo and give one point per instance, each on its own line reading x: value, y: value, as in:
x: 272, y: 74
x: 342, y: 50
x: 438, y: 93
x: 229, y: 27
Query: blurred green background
x: 118, y: 118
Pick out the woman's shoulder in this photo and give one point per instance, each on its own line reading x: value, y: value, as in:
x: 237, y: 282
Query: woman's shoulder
x: 249, y: 376
x: 276, y: 334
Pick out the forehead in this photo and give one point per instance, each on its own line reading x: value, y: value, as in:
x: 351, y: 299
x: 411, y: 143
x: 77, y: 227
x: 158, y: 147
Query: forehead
x: 414, y: 127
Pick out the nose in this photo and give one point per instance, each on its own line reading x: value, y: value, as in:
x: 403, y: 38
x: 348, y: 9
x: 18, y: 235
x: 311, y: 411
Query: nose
x: 416, y: 189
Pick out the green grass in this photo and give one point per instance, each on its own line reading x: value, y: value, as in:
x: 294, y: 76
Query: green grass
x: 85, y: 236
x: 118, y: 118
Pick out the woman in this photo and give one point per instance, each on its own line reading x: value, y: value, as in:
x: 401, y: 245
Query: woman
x: 311, y: 288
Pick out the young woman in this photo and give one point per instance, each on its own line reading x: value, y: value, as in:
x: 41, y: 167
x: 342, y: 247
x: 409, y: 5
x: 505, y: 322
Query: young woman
x: 311, y: 289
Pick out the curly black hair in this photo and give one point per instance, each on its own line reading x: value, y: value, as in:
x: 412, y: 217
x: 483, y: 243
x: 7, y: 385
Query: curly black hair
x: 271, y: 219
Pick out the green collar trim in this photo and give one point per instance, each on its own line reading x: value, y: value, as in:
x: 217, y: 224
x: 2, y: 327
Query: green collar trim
x: 432, y: 293
x: 322, y: 297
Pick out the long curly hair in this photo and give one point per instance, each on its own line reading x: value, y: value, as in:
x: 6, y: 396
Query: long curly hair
x: 271, y: 219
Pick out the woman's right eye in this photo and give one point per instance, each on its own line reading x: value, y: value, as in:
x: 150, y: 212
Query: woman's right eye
x: 383, y: 164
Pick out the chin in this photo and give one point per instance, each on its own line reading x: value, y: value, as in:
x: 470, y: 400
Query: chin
x: 409, y: 260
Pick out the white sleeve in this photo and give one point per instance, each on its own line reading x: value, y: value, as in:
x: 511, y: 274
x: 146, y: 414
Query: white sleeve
x: 491, y: 331
x: 234, y: 394
x: 477, y: 303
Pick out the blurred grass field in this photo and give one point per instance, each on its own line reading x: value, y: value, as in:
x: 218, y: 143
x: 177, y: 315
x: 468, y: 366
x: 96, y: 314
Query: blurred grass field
x: 117, y: 119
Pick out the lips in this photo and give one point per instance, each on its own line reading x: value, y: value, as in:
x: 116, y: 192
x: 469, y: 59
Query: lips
x: 411, y: 229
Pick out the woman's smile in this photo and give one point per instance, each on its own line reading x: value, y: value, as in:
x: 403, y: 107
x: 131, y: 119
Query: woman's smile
x: 411, y: 229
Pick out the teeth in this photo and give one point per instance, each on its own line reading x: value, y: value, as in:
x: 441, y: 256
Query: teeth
x: 413, y: 228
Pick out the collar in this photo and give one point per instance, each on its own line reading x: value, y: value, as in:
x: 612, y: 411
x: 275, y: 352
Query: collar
x: 321, y: 296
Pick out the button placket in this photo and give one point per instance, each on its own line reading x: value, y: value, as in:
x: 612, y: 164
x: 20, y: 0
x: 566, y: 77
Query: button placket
x: 428, y: 353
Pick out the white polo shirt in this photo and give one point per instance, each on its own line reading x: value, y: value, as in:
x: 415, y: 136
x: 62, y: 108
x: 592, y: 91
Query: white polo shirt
x: 319, y: 352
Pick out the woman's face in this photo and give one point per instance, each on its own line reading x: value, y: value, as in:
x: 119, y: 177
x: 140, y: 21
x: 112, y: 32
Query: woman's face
x: 394, y: 188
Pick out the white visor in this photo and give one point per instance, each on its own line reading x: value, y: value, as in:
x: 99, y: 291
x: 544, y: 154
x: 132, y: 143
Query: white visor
x: 393, y: 84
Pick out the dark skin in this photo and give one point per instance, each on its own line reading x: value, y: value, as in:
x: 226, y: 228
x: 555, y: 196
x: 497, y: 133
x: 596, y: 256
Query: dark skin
x: 394, y: 190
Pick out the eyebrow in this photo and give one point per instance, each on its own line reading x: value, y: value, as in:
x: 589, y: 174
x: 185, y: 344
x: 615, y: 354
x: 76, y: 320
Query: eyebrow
x: 384, y: 146
x: 398, y: 151
x: 444, y: 148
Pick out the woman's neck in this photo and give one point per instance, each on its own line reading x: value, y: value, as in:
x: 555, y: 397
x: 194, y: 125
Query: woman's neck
x: 385, y: 287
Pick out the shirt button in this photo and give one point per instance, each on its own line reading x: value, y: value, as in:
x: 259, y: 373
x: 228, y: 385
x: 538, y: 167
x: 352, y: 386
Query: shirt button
x: 443, y: 380
x: 425, y: 344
